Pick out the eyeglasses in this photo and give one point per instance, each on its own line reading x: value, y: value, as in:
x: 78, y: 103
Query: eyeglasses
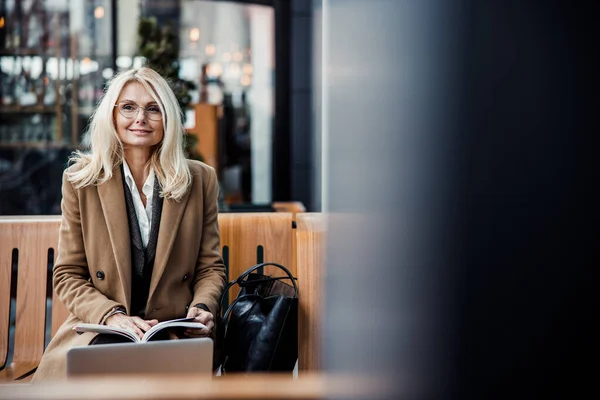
x: 130, y: 110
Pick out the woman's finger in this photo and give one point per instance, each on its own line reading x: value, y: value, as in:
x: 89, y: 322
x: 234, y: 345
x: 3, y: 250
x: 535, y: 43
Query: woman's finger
x: 210, y: 325
x: 130, y: 326
x: 200, y: 315
x: 140, y: 323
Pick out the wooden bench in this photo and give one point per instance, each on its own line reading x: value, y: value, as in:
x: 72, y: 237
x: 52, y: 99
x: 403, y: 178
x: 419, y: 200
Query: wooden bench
x: 27, y: 255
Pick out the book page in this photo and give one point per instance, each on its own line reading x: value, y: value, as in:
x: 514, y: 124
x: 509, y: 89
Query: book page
x: 82, y: 327
x: 179, y: 323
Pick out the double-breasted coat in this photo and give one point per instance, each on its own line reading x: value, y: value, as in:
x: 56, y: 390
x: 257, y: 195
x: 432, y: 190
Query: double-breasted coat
x: 93, y: 271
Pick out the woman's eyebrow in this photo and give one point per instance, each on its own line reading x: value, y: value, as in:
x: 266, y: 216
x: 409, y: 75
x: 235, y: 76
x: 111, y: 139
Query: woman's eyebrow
x: 151, y: 102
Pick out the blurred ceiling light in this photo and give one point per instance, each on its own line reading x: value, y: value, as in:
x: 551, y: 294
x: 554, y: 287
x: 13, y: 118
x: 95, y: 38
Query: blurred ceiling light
x: 1, y: 22
x: 238, y: 56
x: 194, y: 34
x: 246, y: 80
x: 86, y: 60
x: 107, y: 73
x: 99, y: 12
x: 124, y: 62
x: 211, y: 49
x: 226, y: 57
x: 248, y: 69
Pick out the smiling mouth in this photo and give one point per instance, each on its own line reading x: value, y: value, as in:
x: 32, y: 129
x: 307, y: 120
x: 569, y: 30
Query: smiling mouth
x: 139, y: 131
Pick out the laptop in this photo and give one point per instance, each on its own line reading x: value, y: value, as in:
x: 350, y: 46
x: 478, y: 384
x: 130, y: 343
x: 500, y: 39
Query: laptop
x: 158, y: 357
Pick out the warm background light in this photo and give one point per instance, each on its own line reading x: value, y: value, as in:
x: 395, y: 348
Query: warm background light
x: 246, y: 80
x: 194, y: 34
x: 238, y: 56
x: 1, y: 22
x: 99, y: 12
x: 248, y: 69
x: 211, y: 49
x: 215, y: 70
x: 234, y: 69
x: 226, y: 57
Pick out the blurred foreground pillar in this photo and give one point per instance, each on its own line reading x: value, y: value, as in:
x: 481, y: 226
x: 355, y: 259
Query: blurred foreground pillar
x: 459, y: 179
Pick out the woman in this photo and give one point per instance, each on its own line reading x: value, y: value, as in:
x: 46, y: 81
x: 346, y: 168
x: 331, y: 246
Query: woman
x: 139, y: 239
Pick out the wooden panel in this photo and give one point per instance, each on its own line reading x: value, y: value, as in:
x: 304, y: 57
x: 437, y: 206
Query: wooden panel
x: 193, y: 386
x: 292, y: 207
x: 244, y: 232
x: 33, y: 238
x: 6, y: 247
x: 311, y: 236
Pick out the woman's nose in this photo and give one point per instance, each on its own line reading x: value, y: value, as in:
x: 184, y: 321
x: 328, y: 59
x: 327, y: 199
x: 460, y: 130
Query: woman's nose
x: 141, y: 118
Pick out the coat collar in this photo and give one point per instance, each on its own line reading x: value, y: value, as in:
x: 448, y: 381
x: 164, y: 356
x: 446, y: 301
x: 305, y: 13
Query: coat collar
x: 112, y: 199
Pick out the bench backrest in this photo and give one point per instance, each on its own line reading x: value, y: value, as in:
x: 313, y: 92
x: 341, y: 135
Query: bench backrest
x: 245, y: 240
x: 27, y: 248
x: 248, y: 239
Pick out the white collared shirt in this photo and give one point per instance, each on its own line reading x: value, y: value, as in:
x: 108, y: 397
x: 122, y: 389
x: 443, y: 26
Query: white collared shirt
x: 144, y: 214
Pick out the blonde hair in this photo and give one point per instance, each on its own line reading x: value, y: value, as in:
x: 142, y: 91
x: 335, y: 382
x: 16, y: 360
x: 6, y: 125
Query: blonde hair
x: 106, y: 150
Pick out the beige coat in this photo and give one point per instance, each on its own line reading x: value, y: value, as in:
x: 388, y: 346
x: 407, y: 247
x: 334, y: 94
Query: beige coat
x: 92, y: 274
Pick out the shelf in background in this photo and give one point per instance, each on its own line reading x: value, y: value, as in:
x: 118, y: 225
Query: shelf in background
x: 22, y: 52
x: 37, y: 109
x: 34, y: 145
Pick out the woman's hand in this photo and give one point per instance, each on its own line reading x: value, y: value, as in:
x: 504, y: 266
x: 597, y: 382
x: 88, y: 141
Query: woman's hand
x: 133, y: 324
x: 201, y: 316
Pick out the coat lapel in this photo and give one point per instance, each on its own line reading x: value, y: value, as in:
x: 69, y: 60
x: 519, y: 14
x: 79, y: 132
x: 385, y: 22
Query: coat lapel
x: 172, y: 212
x: 112, y: 199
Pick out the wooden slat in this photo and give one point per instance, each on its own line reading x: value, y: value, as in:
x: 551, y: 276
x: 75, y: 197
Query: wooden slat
x: 311, y: 235
x: 293, y: 207
x: 191, y: 386
x: 33, y: 238
x: 244, y: 232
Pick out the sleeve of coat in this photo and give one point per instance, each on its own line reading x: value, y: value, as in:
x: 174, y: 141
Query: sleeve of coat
x: 71, y: 274
x: 209, y: 277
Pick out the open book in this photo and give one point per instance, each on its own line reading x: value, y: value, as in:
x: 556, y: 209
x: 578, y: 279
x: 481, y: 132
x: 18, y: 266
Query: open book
x: 174, y: 323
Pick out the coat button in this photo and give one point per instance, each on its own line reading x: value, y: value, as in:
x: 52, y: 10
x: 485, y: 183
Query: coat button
x: 100, y: 275
x: 185, y: 277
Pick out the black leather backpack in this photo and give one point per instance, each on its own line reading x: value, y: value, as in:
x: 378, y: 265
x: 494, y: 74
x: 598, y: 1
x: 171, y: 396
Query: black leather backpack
x: 259, y: 330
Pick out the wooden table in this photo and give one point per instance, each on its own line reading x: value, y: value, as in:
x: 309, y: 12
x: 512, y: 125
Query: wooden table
x: 252, y: 386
